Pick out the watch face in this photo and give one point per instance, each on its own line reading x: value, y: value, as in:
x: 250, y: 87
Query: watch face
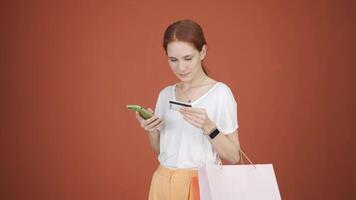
x: 175, y: 105
x: 214, y: 133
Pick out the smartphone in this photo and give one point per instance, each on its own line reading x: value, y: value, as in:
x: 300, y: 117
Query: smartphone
x: 175, y: 105
x: 144, y: 113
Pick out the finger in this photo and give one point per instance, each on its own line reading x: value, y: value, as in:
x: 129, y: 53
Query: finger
x: 193, y: 119
x: 193, y: 110
x: 149, y: 109
x: 193, y: 115
x: 192, y: 122
x: 157, y: 126
x: 150, y: 120
x: 153, y: 124
x: 197, y: 116
x: 138, y: 116
x: 160, y: 124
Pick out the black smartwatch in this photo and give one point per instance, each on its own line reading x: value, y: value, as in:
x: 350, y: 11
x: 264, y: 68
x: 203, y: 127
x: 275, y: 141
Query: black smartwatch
x: 214, y: 133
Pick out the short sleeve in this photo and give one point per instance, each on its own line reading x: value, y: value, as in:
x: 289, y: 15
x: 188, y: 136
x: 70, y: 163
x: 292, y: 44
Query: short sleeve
x: 159, y: 106
x: 227, y: 112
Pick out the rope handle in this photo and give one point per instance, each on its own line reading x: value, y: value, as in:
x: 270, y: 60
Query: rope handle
x: 242, y: 153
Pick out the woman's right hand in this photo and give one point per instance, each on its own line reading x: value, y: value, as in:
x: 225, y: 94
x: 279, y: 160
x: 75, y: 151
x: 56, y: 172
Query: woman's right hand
x: 152, y: 124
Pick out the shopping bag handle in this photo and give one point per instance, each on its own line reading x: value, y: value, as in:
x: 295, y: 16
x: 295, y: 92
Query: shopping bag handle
x: 242, y: 153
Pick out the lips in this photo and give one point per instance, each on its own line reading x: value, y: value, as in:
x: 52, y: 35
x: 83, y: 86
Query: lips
x: 184, y: 75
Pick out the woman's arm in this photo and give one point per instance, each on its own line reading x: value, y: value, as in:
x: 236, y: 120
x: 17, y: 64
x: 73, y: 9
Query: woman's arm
x: 154, y: 140
x: 151, y: 125
x: 226, y: 146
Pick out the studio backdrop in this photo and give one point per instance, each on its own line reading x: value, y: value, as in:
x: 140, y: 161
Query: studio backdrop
x: 69, y: 68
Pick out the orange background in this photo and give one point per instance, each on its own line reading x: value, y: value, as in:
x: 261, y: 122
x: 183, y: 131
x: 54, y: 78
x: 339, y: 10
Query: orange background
x: 68, y: 69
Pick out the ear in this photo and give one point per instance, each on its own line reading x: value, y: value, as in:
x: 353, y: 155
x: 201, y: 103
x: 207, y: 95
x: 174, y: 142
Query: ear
x: 203, y: 52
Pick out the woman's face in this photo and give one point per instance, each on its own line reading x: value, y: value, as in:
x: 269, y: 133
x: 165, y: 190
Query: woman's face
x: 185, y: 60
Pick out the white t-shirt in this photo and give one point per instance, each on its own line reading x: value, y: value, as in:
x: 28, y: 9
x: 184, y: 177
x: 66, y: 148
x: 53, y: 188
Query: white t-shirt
x: 183, y: 145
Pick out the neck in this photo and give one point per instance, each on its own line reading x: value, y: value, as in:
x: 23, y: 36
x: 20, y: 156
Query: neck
x: 198, y: 80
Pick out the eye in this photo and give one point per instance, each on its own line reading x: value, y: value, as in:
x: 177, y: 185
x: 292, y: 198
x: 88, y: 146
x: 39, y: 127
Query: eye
x: 173, y: 60
x: 188, y: 58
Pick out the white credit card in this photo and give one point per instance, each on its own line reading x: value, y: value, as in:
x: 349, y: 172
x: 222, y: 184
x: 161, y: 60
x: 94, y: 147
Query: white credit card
x: 175, y: 105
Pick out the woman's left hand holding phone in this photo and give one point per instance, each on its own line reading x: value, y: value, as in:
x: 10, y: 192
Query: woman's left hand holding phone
x: 152, y: 124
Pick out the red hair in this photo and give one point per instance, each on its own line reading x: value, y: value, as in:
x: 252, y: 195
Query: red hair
x: 186, y: 31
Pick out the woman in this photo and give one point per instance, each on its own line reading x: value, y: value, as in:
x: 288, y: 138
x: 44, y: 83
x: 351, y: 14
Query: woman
x: 189, y: 137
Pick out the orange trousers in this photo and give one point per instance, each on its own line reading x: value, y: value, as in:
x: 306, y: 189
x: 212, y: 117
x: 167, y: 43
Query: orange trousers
x: 177, y: 184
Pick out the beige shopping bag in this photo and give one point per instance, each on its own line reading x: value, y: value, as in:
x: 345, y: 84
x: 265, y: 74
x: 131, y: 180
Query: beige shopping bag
x: 238, y: 182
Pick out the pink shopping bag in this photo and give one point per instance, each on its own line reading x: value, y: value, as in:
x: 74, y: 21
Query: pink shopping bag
x: 238, y: 182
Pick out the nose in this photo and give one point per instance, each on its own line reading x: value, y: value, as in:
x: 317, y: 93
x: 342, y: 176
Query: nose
x: 181, y: 66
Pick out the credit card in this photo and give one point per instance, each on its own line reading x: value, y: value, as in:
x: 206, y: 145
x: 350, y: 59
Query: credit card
x: 175, y: 105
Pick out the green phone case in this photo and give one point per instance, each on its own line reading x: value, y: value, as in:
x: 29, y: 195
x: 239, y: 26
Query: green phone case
x: 142, y: 111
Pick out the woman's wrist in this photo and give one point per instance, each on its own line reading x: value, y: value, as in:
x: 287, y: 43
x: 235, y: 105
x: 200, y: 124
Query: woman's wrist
x: 153, y: 132
x: 208, y: 128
